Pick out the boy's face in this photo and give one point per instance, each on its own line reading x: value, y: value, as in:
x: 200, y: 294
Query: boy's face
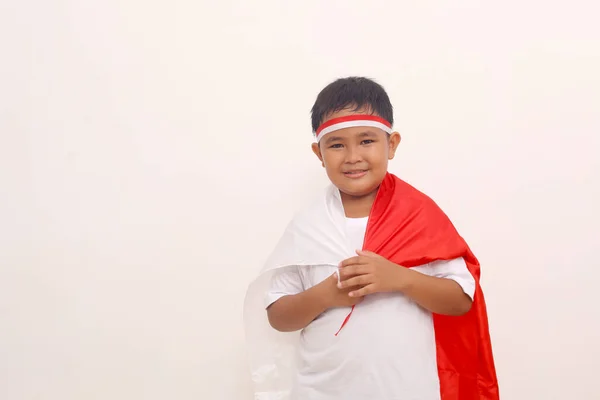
x: 356, y: 158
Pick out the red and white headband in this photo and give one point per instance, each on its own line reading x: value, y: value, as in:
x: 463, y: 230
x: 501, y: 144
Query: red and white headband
x: 351, y: 121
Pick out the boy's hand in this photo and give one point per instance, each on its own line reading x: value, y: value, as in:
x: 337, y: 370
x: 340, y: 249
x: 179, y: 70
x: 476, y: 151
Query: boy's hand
x: 333, y: 296
x: 371, y: 273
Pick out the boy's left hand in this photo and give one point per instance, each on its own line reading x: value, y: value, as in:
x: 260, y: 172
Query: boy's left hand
x: 372, y: 273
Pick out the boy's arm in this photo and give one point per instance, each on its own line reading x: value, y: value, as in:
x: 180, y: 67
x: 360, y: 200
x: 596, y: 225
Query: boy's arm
x: 440, y: 287
x: 440, y: 295
x: 295, y: 312
x: 443, y: 287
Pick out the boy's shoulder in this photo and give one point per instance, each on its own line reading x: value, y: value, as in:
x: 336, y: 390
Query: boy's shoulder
x: 413, y: 197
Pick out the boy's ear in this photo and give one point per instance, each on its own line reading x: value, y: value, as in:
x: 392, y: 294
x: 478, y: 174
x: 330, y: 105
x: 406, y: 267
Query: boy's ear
x: 317, y: 150
x: 393, y: 141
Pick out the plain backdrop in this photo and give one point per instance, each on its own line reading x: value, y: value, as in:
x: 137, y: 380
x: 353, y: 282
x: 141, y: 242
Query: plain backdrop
x: 151, y: 153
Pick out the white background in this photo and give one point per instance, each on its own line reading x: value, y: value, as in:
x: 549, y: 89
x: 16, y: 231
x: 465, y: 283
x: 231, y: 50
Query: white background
x: 151, y: 153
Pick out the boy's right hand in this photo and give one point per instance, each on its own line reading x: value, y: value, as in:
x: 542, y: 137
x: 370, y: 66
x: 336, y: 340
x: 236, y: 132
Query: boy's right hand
x: 336, y: 297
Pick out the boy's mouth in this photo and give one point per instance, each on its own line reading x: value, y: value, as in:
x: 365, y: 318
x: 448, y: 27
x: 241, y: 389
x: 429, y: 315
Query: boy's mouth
x: 355, y: 173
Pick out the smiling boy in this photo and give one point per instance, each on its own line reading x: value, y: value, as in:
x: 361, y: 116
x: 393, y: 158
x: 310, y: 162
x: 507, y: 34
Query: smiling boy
x: 382, y: 290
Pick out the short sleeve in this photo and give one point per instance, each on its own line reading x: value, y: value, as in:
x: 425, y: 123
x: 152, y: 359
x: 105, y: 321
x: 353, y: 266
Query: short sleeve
x: 455, y: 270
x: 284, y: 282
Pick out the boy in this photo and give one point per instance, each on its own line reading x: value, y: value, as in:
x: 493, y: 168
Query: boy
x: 373, y: 276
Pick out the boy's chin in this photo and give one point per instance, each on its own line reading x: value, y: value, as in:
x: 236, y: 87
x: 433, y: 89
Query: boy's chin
x: 358, y: 190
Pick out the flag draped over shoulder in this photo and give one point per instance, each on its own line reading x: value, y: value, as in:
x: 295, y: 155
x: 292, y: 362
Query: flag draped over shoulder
x: 406, y: 227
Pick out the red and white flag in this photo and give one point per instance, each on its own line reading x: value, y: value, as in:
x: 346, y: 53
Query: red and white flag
x: 406, y: 227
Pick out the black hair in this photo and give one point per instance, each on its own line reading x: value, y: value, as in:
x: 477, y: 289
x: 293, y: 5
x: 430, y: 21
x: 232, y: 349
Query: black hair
x: 357, y: 92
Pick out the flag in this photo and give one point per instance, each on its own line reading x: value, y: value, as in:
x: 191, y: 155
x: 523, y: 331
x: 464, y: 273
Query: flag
x: 406, y: 227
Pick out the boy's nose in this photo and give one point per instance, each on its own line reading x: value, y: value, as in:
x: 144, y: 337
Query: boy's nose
x: 353, y: 155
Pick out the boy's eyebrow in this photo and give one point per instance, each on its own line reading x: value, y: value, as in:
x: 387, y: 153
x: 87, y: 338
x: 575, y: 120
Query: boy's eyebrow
x: 362, y: 134
x: 332, y: 139
x: 367, y: 133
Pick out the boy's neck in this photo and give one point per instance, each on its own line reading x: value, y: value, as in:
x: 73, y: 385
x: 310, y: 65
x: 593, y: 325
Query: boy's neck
x: 358, y: 207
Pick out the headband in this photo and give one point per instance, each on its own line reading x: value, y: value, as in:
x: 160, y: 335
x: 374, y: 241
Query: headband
x: 351, y: 121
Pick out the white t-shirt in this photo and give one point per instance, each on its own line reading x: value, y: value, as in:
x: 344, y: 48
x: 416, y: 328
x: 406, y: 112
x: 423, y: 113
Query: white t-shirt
x: 387, y: 349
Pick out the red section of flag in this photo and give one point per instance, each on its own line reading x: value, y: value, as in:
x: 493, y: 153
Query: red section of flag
x: 408, y: 228
x: 345, y: 321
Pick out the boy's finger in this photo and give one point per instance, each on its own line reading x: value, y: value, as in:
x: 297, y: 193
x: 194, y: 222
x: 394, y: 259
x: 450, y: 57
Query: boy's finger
x: 366, y: 253
x: 360, y: 280
x: 363, y: 291
x: 351, y: 270
x: 348, y: 261
x: 352, y: 261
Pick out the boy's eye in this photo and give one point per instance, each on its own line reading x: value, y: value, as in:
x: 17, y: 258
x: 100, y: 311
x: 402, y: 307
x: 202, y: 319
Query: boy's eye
x: 336, y: 146
x: 367, y: 141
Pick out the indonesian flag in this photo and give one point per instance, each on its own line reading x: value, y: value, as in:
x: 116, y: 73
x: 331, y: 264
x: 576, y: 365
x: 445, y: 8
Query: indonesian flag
x: 406, y: 227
